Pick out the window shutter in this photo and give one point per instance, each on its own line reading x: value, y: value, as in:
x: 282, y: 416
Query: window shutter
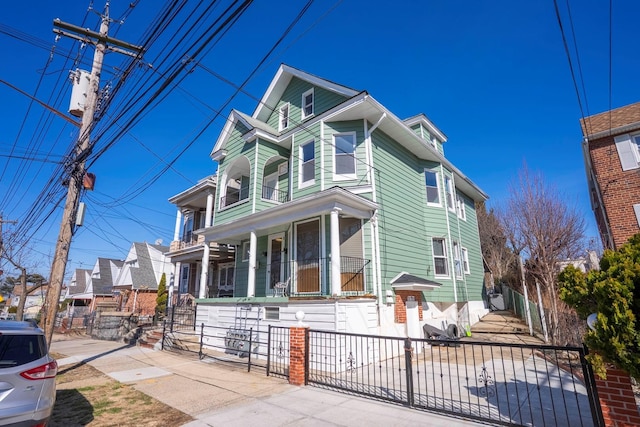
x: 625, y: 147
x: 636, y: 209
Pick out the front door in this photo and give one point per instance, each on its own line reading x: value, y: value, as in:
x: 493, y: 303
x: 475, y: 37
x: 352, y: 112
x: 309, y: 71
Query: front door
x: 275, y: 267
x: 308, y: 256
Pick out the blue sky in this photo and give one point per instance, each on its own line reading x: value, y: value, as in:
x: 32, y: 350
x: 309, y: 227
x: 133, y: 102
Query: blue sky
x: 492, y: 75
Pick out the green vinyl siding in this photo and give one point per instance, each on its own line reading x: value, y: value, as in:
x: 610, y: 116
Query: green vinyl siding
x: 400, y: 191
x: 236, y: 147
x: 274, y: 155
x: 323, y: 100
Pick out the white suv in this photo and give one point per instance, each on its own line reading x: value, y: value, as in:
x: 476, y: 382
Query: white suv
x: 27, y: 375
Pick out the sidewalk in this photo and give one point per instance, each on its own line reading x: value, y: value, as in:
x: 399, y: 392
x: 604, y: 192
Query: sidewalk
x: 215, y: 394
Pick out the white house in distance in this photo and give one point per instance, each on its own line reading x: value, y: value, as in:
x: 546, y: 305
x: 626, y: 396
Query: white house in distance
x: 136, y: 286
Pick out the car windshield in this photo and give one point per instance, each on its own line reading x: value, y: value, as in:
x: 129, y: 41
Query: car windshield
x: 17, y: 350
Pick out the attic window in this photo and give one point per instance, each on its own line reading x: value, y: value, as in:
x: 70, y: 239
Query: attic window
x: 284, y: 117
x: 307, y: 103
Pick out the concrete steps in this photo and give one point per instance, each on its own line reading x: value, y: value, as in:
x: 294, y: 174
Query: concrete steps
x: 182, y: 342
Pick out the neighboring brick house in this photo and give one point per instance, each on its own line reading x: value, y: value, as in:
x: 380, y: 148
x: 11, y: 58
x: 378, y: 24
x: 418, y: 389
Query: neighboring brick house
x: 611, y: 148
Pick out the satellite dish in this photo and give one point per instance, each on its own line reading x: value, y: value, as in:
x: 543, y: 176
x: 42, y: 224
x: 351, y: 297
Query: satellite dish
x: 158, y: 241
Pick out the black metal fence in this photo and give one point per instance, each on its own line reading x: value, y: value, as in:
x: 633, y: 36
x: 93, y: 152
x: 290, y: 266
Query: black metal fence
x: 278, y: 351
x: 510, y: 384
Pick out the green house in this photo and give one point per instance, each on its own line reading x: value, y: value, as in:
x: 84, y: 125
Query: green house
x: 340, y: 209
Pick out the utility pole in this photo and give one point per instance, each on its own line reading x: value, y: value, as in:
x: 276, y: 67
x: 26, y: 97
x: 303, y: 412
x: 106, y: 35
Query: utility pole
x: 102, y: 42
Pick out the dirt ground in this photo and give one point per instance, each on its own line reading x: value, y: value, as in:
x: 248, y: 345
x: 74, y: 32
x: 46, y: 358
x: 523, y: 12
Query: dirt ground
x: 87, y: 397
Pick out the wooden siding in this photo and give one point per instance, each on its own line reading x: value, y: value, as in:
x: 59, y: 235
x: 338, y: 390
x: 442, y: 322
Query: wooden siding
x: 323, y: 100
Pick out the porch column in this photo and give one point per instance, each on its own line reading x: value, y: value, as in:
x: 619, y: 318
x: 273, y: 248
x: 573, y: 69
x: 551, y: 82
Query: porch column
x: 251, y: 277
x: 176, y: 230
x: 207, y: 219
x: 336, y: 284
x: 172, y: 282
x: 204, y: 274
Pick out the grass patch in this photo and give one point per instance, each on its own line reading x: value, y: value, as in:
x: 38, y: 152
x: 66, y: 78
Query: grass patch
x: 106, y: 402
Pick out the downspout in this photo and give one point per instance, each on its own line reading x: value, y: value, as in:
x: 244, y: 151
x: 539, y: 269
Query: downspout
x: 377, y: 276
x: 453, y: 273
x: 596, y: 186
x: 321, y: 155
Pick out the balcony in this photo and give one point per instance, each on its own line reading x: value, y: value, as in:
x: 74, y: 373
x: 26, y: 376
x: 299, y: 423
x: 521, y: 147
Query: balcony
x: 274, y: 195
x: 234, y: 195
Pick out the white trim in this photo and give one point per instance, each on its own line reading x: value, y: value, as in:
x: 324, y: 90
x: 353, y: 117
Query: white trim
x: 301, y: 183
x: 439, y: 204
x: 255, y: 179
x: 322, y: 148
x: 627, y: 152
x: 341, y: 176
x: 636, y: 210
x: 303, y: 114
x: 281, y: 81
x: 449, y: 194
x: 465, y: 260
x: 281, y: 116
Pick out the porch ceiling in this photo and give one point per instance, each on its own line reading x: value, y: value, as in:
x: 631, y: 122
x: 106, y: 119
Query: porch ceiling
x: 279, y: 217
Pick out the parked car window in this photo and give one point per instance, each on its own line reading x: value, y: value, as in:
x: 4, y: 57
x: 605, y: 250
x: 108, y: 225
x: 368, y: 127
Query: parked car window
x: 18, y: 350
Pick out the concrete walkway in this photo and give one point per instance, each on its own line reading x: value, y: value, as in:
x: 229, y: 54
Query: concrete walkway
x: 214, y: 393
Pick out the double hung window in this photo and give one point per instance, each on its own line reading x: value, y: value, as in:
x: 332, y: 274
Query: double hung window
x: 307, y: 104
x: 283, y: 117
x: 449, y: 189
x: 344, y: 160
x: 307, y: 163
x: 433, y: 190
x: 440, y: 256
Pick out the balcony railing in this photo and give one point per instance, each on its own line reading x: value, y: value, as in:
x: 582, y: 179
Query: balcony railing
x: 274, y: 195
x: 234, y: 195
x: 310, y: 277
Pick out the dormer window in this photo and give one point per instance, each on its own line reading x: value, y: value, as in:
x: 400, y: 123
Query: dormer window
x: 284, y: 117
x: 307, y: 103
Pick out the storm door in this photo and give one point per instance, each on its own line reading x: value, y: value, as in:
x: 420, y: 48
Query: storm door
x: 275, y: 260
x: 308, y: 257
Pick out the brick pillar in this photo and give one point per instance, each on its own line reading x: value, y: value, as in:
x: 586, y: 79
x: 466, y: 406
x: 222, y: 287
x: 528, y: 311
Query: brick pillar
x: 297, y: 355
x: 617, y: 400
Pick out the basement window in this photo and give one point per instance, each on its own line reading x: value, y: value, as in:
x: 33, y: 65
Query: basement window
x: 272, y: 313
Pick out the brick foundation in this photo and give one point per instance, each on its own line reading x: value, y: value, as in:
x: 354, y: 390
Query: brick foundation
x: 297, y: 355
x: 400, y: 309
x: 617, y: 400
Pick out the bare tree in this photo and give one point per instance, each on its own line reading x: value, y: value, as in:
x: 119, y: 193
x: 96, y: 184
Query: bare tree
x: 541, y: 227
x: 493, y: 242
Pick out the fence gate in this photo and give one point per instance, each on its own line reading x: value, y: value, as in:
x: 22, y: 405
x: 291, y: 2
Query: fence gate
x: 510, y: 384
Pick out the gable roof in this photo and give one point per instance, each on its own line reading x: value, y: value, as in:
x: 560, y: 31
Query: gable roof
x: 81, y: 276
x: 139, y: 271
x: 617, y: 121
x: 408, y: 282
x: 280, y: 82
x: 107, y: 270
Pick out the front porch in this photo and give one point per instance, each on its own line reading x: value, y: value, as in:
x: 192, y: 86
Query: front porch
x: 308, y: 278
